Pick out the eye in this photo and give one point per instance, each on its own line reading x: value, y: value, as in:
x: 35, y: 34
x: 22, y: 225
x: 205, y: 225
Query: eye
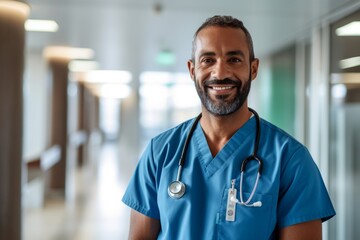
x: 235, y: 60
x: 207, y: 60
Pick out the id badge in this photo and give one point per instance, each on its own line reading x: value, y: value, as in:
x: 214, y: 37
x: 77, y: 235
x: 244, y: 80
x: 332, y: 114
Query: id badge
x: 231, y: 206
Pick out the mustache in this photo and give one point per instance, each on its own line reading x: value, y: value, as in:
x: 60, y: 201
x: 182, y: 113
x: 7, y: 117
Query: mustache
x: 226, y: 81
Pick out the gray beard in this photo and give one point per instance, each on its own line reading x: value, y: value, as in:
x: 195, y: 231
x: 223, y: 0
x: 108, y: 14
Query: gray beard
x: 224, y: 106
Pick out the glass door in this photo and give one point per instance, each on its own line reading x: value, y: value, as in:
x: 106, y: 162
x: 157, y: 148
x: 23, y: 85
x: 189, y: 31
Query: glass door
x: 344, y: 167
x: 345, y: 155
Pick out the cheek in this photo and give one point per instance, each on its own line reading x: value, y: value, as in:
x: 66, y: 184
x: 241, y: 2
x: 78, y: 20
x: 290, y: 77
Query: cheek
x: 197, y: 82
x: 202, y: 74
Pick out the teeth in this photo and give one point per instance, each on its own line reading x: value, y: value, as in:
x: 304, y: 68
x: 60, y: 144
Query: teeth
x: 221, y: 88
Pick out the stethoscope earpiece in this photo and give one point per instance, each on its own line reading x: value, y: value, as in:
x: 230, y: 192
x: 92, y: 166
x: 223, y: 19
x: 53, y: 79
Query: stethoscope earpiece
x: 255, y: 204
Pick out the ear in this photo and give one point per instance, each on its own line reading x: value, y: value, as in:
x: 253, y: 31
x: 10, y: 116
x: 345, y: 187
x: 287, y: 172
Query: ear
x: 191, y: 67
x: 254, y: 68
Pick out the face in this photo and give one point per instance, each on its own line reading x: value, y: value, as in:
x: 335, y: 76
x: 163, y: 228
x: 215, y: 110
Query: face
x: 221, y: 69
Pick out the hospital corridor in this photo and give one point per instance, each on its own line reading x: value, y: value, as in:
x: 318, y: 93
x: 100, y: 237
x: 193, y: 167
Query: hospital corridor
x: 93, y: 211
x: 85, y: 86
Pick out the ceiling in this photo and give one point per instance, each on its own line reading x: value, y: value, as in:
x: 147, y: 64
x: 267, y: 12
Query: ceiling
x: 128, y: 34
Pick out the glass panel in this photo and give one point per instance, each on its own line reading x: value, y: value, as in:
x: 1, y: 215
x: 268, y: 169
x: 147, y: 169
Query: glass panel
x: 344, y: 140
x: 345, y: 159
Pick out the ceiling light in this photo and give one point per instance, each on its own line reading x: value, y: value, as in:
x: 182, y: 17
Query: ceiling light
x: 108, y: 76
x: 349, y: 62
x: 68, y: 52
x: 41, y: 25
x: 350, y: 29
x: 82, y: 65
x: 18, y: 6
x: 113, y: 90
x: 150, y: 77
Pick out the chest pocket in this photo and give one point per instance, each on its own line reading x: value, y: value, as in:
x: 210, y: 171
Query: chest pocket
x: 251, y: 223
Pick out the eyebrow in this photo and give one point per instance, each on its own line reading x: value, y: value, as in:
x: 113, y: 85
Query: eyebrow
x: 237, y: 52
x: 230, y: 53
x: 207, y: 54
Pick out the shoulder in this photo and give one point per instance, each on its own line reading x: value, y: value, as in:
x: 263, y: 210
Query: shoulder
x: 277, y: 132
x: 174, y: 134
x: 282, y: 146
x: 166, y: 146
x: 279, y: 137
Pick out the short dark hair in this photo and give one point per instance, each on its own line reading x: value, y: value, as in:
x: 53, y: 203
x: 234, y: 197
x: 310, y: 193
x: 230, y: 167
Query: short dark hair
x: 224, y: 21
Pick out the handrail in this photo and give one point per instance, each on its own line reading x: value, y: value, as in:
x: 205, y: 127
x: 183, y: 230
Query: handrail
x: 44, y: 162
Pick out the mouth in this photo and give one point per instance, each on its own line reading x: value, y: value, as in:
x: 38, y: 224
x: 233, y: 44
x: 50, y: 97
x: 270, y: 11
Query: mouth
x: 221, y: 89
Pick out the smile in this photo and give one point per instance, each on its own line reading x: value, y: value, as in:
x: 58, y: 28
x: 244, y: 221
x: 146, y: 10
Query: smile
x: 222, y: 88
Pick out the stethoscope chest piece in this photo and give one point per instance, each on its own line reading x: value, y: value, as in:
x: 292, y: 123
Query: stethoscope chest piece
x: 176, y: 189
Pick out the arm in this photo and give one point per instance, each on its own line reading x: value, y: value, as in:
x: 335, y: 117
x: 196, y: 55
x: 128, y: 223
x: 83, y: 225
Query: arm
x: 302, y: 231
x: 143, y: 227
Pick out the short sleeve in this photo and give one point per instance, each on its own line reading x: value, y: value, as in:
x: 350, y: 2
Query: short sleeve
x: 303, y: 196
x: 141, y: 193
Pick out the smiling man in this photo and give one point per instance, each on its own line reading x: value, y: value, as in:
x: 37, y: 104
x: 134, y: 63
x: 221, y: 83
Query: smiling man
x: 239, y: 176
x: 214, y: 62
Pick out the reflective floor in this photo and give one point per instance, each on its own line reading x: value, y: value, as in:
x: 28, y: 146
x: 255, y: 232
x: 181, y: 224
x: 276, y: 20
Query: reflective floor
x: 94, y: 210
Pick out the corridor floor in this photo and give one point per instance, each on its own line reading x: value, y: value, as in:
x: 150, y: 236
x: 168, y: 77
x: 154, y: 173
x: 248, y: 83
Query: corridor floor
x: 93, y: 211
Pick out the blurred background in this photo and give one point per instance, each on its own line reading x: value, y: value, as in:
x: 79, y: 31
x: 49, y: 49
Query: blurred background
x: 84, y: 85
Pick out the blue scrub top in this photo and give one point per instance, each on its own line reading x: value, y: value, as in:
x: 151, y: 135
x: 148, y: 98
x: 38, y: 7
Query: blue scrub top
x: 290, y: 188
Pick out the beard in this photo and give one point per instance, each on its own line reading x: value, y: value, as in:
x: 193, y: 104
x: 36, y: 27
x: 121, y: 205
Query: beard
x: 224, y: 104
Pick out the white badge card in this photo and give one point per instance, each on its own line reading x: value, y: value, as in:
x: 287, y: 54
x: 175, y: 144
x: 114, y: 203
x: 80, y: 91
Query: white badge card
x: 231, y: 206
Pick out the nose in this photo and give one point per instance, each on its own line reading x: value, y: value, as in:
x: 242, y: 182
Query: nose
x: 220, y: 70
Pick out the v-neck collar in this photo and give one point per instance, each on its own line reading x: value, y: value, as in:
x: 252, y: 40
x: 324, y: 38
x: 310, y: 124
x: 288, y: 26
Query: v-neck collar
x: 228, y: 153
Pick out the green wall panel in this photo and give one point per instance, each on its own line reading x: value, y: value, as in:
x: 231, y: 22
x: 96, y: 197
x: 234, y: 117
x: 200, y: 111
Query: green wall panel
x: 282, y: 98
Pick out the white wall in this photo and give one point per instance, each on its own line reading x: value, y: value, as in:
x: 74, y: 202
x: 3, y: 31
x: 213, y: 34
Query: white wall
x: 36, y: 105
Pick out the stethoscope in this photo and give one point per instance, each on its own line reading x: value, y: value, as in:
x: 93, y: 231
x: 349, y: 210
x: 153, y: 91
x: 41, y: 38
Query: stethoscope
x: 177, y: 188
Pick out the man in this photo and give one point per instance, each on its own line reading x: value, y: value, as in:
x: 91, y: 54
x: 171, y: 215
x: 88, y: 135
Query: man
x: 288, y: 200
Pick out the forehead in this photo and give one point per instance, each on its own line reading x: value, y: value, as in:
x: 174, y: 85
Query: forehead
x: 221, y: 39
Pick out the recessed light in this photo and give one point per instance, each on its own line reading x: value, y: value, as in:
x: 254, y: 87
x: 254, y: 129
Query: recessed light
x: 33, y: 25
x: 349, y: 62
x: 108, y: 76
x: 68, y: 52
x: 83, y: 65
x: 18, y: 6
x: 350, y: 29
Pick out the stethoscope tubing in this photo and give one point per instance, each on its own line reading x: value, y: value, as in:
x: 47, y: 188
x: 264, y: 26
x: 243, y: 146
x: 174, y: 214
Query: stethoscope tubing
x: 177, y: 188
x: 186, y: 144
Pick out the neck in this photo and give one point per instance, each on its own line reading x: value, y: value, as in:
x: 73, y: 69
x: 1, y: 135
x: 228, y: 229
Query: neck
x: 219, y: 129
